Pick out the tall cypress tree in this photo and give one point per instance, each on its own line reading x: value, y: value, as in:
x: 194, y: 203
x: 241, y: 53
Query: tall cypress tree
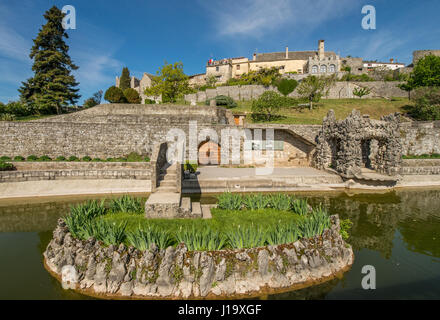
x: 124, y: 82
x: 53, y: 85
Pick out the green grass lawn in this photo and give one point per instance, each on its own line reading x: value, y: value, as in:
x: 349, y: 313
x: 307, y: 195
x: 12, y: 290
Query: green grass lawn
x: 376, y: 108
x: 222, y: 220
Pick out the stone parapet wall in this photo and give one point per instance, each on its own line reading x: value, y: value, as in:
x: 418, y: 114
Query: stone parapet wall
x: 178, y: 273
x: 72, y: 174
x: 420, y: 167
x: 340, y: 90
x: 420, y: 137
x: 74, y: 165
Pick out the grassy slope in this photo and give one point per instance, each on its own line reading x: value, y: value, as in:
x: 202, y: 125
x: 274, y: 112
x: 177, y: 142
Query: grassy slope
x: 222, y: 220
x: 342, y: 107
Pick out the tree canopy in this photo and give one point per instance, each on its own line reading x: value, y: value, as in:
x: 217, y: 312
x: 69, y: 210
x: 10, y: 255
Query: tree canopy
x: 170, y: 82
x: 52, y: 86
x: 313, y: 88
x: 124, y: 81
x: 426, y: 72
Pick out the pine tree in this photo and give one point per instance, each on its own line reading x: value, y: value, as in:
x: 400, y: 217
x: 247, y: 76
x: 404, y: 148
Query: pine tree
x: 124, y: 82
x: 52, y: 86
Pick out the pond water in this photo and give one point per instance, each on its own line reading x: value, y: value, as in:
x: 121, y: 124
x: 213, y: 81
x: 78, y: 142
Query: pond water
x: 396, y: 232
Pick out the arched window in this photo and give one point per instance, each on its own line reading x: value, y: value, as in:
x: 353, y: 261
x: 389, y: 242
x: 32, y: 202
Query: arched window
x: 332, y: 68
x: 315, y: 69
x: 323, y: 69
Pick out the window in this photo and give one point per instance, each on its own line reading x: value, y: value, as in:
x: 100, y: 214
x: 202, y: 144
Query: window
x: 323, y: 69
x: 332, y: 68
x: 238, y: 67
x: 264, y: 145
x: 217, y: 69
x: 315, y: 69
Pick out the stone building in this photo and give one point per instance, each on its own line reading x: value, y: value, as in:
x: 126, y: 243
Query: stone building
x: 317, y: 62
x: 419, y: 54
x: 140, y: 86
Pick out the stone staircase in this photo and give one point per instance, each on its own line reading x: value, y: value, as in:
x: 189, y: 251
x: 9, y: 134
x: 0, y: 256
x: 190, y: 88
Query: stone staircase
x: 167, y: 179
x: 167, y: 201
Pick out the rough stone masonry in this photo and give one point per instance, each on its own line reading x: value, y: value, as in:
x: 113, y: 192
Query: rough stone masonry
x: 178, y: 273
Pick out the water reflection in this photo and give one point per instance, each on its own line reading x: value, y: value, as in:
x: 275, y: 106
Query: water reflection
x: 397, y: 232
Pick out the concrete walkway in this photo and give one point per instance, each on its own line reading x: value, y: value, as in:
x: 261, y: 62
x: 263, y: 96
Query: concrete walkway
x: 212, y: 172
x: 217, y: 179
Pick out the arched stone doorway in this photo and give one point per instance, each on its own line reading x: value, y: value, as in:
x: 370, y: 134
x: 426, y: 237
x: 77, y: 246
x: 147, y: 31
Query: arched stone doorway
x: 209, y: 153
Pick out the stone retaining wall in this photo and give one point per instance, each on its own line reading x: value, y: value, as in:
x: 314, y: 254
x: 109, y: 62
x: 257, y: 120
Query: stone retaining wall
x: 340, y: 90
x: 420, y: 167
x: 420, y: 137
x: 37, y: 171
x: 177, y: 273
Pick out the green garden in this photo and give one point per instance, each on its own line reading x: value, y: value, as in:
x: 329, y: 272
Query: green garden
x: 239, y: 221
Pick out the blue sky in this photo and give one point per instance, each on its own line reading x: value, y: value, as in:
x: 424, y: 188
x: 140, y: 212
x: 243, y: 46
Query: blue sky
x: 142, y: 34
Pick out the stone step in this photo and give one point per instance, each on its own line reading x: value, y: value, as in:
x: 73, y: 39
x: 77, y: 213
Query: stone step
x: 196, y: 209
x: 168, y: 183
x: 206, y: 212
x: 186, y: 204
x: 168, y: 176
x: 165, y: 189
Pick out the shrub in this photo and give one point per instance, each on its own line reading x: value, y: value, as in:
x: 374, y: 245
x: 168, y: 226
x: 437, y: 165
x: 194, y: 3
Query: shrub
x: 314, y: 223
x: 246, y: 237
x: 256, y: 201
x: 114, y: 95
x: 32, y: 158
x: 19, y: 158
x: 360, y: 92
x: 224, y: 101
x: 61, y: 158
x: 132, y: 96
x: 86, y: 159
x: 197, y: 240
x: 281, y: 234
x: 18, y: 109
x: 427, y: 104
x: 109, y: 233
x: 79, y: 221
x: 44, y: 158
x: 279, y: 201
x: 5, y: 158
x: 345, y: 227
x: 287, y: 86
x: 230, y: 201
x: 191, y: 167
x: 97, y: 160
x: 89, y: 103
x: 149, y: 101
x: 7, y: 117
x: 299, y: 206
x: 126, y: 204
x: 142, y: 239
x: 73, y: 158
x: 267, y: 105
x: 134, y: 157
x: 6, y: 166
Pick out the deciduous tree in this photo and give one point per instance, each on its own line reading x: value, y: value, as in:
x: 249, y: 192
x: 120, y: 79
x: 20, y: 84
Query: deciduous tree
x: 170, y: 83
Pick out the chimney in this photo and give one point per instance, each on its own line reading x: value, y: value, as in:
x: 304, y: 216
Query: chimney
x: 254, y: 57
x: 117, y: 82
x: 321, y: 50
x: 287, y: 53
x: 391, y: 60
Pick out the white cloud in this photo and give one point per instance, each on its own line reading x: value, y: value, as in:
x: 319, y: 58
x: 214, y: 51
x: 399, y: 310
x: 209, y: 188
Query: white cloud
x: 96, y: 69
x: 258, y: 17
x: 13, y: 45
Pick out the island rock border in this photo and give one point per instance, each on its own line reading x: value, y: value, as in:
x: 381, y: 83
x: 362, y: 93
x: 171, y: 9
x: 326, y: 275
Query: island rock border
x: 176, y: 273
